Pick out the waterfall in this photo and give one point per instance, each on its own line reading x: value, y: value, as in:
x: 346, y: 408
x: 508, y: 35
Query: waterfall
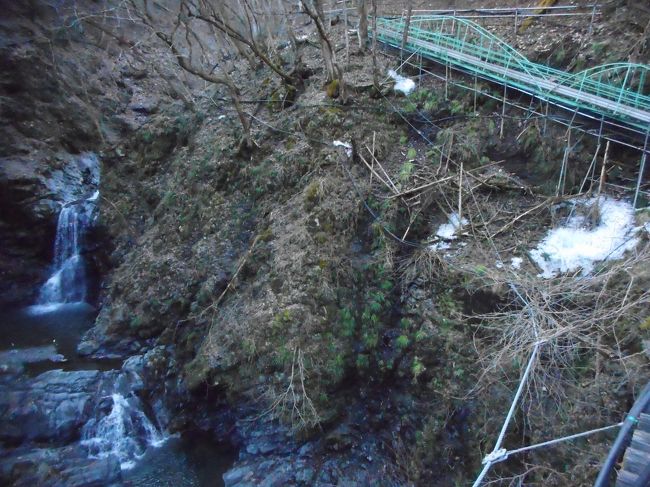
x: 125, y: 432
x: 67, y: 284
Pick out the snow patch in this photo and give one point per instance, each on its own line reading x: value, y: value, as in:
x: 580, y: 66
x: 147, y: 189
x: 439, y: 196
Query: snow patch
x: 345, y: 145
x: 574, y: 246
x: 515, y: 262
x: 448, y: 230
x: 439, y: 246
x: 402, y: 84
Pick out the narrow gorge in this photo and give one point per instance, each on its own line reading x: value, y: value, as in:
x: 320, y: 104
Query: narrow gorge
x: 317, y: 243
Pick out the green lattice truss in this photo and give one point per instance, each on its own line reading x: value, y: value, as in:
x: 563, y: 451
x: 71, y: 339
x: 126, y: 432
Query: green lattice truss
x: 618, y: 92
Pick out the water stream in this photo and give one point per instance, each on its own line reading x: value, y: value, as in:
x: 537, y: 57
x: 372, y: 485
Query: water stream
x: 68, y: 283
x: 44, y: 337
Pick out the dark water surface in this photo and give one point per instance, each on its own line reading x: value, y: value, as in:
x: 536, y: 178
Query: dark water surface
x: 43, y: 339
x: 189, y: 461
x: 58, y: 326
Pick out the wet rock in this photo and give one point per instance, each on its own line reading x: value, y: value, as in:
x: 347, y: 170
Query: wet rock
x: 341, y: 438
x: 51, y: 407
x: 57, y: 467
x: 13, y: 361
x: 238, y: 475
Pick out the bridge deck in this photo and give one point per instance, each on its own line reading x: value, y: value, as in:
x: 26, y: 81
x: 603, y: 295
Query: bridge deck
x: 506, y: 66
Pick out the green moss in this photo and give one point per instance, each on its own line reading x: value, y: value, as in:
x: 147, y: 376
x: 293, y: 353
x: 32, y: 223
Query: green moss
x: 136, y: 321
x: 417, y: 368
x: 363, y: 362
x: 281, y: 321
x: 333, y: 89
x: 645, y: 326
x: 321, y: 238
x: 346, y: 322
x: 402, y: 341
x: 312, y: 193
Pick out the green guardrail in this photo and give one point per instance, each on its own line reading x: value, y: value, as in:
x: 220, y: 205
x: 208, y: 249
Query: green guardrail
x: 618, y: 91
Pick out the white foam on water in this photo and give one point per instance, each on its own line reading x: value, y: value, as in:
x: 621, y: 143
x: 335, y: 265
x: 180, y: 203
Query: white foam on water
x: 125, y: 433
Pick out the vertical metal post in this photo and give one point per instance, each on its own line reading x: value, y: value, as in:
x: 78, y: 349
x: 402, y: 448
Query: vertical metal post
x: 593, y: 16
x: 545, y: 119
x: 475, y: 91
x: 641, y: 170
x: 446, y: 81
x: 561, y: 184
x: 516, y: 20
x: 503, y: 111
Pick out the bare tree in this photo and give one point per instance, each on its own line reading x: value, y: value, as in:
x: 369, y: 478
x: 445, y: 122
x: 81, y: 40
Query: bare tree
x: 362, y: 10
x: 314, y: 8
x: 375, y: 69
x: 243, y: 22
x: 407, y: 24
x: 194, y: 50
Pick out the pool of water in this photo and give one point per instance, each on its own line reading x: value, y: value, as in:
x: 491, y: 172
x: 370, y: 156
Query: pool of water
x: 193, y: 460
x: 43, y: 339
x: 59, y: 328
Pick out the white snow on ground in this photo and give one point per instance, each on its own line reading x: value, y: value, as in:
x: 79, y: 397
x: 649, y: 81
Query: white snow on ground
x: 440, y: 246
x: 345, y: 145
x: 573, y: 246
x: 515, y: 262
x: 448, y: 230
x: 402, y: 84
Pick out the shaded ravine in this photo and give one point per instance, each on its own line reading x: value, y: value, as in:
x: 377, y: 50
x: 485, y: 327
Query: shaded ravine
x: 76, y: 420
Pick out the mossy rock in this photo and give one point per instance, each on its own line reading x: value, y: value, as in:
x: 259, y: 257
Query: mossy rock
x: 333, y: 89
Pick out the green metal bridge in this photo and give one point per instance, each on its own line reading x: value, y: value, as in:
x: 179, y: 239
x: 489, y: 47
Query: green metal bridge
x: 618, y: 93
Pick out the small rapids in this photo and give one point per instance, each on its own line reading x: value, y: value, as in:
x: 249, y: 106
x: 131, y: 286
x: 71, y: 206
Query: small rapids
x: 124, y: 432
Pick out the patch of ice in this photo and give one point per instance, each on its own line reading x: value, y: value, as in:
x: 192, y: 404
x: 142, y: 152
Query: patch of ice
x: 572, y: 246
x: 345, y: 145
x: 448, y: 230
x: 515, y: 262
x: 402, y: 84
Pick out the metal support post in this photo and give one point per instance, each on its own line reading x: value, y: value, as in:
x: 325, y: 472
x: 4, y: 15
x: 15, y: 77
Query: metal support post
x: 503, y: 111
x: 644, y: 157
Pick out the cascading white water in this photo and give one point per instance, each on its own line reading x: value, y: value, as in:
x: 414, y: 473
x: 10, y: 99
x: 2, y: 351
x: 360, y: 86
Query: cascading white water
x: 125, y: 432
x: 67, y: 284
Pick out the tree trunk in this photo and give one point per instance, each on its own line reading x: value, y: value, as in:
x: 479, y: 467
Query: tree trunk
x: 362, y: 10
x: 375, y: 69
x: 334, y: 72
x: 407, y: 24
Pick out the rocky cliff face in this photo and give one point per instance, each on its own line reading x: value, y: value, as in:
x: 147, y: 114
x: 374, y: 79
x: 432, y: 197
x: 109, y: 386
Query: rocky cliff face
x: 65, y: 92
x: 48, y: 121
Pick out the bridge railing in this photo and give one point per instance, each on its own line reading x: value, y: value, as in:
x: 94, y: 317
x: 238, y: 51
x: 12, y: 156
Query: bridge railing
x: 619, y: 91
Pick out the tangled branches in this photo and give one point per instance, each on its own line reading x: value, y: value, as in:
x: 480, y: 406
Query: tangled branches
x: 292, y: 403
x: 572, y: 317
